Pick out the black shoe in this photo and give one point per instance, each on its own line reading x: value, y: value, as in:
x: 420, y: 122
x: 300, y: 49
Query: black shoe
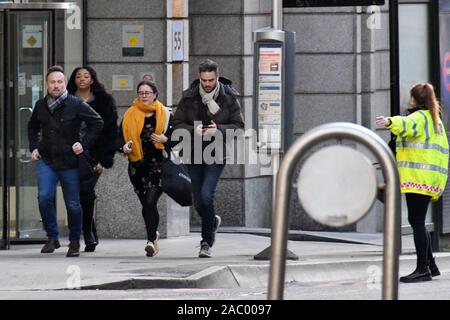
x: 90, y: 247
x: 417, y: 276
x: 434, y: 268
x: 217, y: 222
x: 50, y: 246
x: 74, y: 249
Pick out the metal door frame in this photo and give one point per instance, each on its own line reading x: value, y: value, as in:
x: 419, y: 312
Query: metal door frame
x: 48, y: 46
x: 5, y: 10
x: 4, y: 243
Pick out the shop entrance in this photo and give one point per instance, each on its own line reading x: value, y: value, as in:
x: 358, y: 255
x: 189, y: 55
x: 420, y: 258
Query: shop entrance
x: 27, y: 50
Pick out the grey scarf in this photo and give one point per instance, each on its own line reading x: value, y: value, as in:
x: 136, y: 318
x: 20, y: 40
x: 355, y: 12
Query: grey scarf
x: 53, y: 103
x: 209, y: 98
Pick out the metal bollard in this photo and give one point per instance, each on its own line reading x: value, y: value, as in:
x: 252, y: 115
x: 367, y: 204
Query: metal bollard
x: 392, y: 232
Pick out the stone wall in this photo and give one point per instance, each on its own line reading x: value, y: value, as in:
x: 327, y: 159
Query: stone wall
x: 118, y: 211
x: 342, y: 74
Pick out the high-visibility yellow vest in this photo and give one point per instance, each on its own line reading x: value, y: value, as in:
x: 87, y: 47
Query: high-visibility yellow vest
x: 422, y: 154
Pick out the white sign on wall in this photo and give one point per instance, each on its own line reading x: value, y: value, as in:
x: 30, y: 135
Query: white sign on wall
x: 32, y: 36
x: 122, y: 82
x: 177, y: 40
x: 133, y: 40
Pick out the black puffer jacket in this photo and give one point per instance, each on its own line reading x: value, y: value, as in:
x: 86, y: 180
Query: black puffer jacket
x: 104, y: 147
x: 54, y: 138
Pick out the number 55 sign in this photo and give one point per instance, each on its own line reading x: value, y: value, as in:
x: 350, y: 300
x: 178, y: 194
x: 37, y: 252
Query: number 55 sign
x: 177, y: 40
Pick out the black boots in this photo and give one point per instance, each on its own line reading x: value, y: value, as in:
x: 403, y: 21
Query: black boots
x: 422, y: 273
x: 90, y: 247
x: 433, y: 268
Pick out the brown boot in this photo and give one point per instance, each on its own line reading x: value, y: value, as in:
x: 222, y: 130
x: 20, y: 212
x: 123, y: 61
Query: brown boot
x: 74, y: 249
x: 50, y: 246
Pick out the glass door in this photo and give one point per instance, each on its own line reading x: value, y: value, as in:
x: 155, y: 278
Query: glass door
x: 3, y: 212
x: 29, y: 45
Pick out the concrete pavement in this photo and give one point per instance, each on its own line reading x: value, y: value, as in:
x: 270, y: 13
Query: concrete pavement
x: 122, y: 264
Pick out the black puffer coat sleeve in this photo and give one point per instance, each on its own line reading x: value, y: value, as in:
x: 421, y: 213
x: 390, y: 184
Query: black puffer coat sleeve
x: 181, y: 119
x: 94, y: 124
x: 105, y: 145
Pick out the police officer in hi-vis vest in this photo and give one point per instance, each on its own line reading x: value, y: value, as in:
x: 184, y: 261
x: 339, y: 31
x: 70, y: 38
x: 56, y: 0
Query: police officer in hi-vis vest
x: 422, y: 160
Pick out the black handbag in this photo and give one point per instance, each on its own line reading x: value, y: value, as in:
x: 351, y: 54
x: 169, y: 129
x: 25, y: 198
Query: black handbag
x: 85, y: 167
x: 176, y: 182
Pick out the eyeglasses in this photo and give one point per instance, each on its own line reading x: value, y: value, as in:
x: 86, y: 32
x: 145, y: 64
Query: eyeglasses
x: 145, y: 93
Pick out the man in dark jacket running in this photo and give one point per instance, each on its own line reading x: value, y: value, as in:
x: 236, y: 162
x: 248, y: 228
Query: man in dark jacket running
x: 54, y: 136
x: 207, y: 110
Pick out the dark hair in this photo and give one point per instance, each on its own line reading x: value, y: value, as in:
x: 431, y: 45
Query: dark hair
x: 149, y: 83
x: 54, y: 69
x: 96, y: 87
x: 208, y: 66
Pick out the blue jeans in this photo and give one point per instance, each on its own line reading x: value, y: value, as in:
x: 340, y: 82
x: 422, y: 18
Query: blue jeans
x: 70, y: 184
x: 204, y: 182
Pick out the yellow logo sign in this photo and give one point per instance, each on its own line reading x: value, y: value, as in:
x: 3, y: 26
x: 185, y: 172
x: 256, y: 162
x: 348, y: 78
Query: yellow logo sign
x: 133, y: 41
x: 123, y: 82
x: 31, y: 41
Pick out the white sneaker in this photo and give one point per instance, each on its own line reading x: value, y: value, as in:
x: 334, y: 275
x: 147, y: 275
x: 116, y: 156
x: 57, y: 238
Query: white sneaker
x: 217, y: 222
x: 152, y: 248
x: 205, y: 250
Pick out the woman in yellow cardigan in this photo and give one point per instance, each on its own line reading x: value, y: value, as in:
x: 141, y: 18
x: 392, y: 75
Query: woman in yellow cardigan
x: 422, y: 160
x: 146, y: 128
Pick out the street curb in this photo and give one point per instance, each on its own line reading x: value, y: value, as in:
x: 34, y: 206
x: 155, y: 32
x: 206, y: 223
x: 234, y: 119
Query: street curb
x: 254, y: 276
x: 212, y: 277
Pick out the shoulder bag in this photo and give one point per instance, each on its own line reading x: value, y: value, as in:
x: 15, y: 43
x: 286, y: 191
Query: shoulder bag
x: 176, y: 182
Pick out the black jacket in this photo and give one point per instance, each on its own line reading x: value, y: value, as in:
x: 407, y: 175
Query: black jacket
x: 54, y: 138
x: 229, y: 116
x: 104, y: 146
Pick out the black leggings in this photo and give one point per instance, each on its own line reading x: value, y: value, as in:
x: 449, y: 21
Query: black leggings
x: 149, y: 200
x: 417, y: 211
x: 87, y: 200
x: 145, y: 176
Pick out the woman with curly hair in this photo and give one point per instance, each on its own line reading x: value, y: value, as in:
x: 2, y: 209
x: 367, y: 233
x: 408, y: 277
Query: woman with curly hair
x: 84, y: 84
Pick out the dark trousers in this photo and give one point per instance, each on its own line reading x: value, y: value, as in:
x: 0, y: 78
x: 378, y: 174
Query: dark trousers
x: 204, y: 179
x: 417, y: 210
x: 149, y: 201
x: 87, y: 199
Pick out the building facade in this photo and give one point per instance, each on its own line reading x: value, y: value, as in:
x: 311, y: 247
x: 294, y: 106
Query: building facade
x: 342, y: 73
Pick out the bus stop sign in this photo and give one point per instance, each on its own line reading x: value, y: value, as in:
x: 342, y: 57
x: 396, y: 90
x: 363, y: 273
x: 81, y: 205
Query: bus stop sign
x: 330, y: 3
